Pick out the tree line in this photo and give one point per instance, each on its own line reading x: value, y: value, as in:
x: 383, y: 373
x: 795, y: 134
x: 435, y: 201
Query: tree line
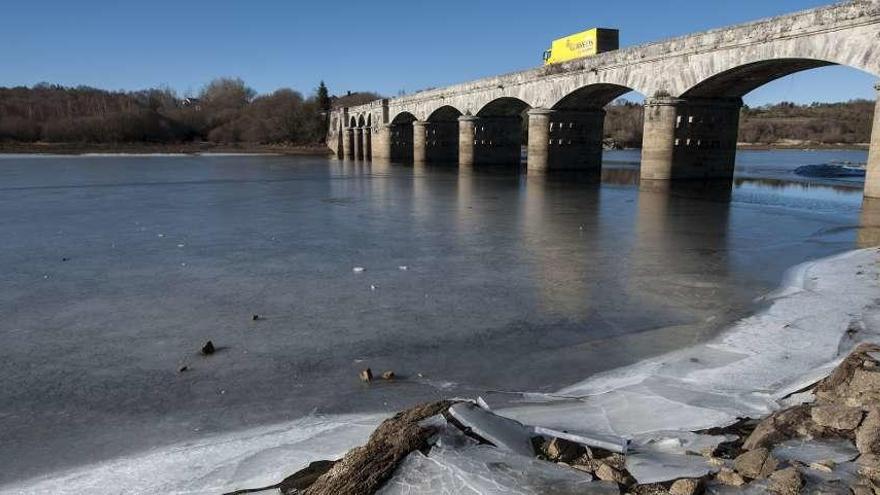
x: 226, y: 110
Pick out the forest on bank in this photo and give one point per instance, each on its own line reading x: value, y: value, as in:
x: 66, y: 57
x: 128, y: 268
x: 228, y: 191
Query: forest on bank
x: 227, y: 111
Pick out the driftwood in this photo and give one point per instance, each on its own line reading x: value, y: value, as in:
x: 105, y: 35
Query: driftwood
x: 364, y: 469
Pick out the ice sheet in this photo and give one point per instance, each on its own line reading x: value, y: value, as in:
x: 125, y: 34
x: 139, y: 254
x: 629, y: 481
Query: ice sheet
x: 249, y: 459
x: 654, y: 467
x: 818, y: 450
x: 485, y: 470
x: 742, y: 373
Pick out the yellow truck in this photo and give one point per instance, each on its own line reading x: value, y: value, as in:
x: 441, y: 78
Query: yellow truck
x: 583, y: 44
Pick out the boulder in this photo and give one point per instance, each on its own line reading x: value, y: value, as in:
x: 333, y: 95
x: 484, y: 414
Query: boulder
x: 837, y: 416
x: 852, y: 383
x: 607, y: 473
x: 687, y: 486
x: 868, y: 434
x: 729, y: 477
x: 869, y: 466
x: 782, y: 425
x: 755, y: 464
x: 786, y: 481
x: 561, y: 450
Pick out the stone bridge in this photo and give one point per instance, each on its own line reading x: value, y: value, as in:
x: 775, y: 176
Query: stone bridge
x: 693, y: 87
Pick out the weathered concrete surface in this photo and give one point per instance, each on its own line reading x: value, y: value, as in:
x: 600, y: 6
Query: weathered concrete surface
x: 722, y: 64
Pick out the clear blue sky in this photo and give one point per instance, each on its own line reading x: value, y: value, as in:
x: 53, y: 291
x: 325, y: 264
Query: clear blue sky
x: 378, y: 45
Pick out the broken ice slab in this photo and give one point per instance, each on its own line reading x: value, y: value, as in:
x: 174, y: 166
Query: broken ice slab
x: 485, y: 470
x: 758, y: 487
x: 655, y: 467
x: 816, y: 451
x: 607, y: 442
x: 679, y: 442
x: 502, y: 432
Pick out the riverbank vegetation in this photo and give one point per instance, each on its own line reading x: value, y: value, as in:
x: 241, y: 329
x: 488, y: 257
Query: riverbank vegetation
x: 225, y: 111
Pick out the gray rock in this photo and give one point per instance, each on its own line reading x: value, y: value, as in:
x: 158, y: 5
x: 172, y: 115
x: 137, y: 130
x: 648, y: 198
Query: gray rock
x: 755, y: 464
x: 837, y: 416
x: 868, y: 434
x: 786, y: 481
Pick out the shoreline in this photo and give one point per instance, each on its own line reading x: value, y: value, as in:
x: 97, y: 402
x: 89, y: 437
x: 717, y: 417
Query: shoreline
x: 265, y: 455
x: 197, y: 148
x: 146, y: 149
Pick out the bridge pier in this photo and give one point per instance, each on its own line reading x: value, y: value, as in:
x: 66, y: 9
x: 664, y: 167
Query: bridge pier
x: 368, y: 143
x: 348, y: 143
x: 420, y: 138
x: 690, y: 138
x: 872, y: 170
x: 466, y: 140
x: 359, y: 143
x: 565, y: 140
x: 380, y: 145
x: 498, y: 140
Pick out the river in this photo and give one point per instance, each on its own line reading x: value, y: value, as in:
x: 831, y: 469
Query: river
x: 116, y: 270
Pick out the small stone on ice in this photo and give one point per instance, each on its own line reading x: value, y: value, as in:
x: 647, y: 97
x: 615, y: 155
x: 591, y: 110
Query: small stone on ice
x: 208, y: 348
x: 388, y: 375
x: 181, y: 245
x: 255, y: 317
x: 403, y: 268
x: 372, y: 287
x: 182, y: 369
x: 366, y: 375
x: 358, y: 269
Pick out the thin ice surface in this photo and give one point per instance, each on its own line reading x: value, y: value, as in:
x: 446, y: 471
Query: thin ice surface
x: 485, y: 470
x: 254, y: 458
x: 817, y: 450
x: 678, y: 442
x: 655, y: 466
x: 739, y: 374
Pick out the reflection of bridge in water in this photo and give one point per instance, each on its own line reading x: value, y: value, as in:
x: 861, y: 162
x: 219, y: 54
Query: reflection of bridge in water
x: 693, y: 86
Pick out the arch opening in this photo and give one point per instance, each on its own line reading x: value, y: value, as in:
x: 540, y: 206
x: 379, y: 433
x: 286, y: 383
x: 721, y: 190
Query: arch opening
x: 401, y: 137
x: 501, y: 132
x: 710, y: 120
x: 441, y: 135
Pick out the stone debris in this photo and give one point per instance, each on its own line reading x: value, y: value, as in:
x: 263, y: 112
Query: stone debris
x: 358, y: 269
x: 837, y: 416
x: 868, y: 434
x: 786, y: 481
x: 756, y: 464
x: 686, y: 486
x: 208, y: 348
x: 388, y: 375
x: 255, y: 317
x: 561, y: 450
x: 183, y: 369
x: 366, y: 375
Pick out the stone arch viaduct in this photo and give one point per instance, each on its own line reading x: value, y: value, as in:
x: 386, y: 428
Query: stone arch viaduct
x: 693, y: 87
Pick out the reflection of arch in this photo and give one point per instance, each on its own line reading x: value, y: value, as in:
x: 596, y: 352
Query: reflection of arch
x: 503, y: 107
x: 592, y: 96
x: 738, y: 81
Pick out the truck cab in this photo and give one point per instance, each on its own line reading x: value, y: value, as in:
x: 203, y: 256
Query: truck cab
x: 583, y: 44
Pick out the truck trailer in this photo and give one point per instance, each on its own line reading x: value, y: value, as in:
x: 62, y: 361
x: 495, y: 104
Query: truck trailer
x: 583, y: 44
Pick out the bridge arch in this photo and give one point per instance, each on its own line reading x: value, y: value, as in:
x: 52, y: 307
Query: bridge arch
x: 401, y: 137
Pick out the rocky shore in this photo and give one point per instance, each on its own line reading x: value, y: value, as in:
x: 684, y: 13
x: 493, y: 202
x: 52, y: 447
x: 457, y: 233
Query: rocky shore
x: 827, y: 441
